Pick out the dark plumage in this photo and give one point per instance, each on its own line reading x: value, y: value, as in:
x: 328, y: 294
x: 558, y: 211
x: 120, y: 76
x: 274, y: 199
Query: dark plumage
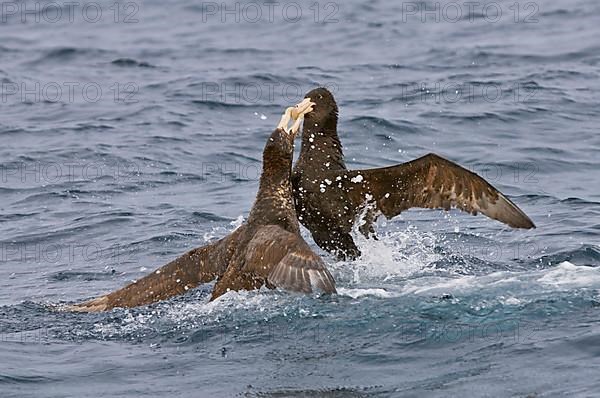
x: 329, y: 197
x: 266, y: 250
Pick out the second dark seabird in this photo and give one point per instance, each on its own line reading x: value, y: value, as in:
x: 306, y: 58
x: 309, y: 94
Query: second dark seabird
x: 329, y: 197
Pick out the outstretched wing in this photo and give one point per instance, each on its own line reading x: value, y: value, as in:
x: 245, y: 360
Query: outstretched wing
x: 278, y: 258
x: 197, y: 266
x: 430, y: 182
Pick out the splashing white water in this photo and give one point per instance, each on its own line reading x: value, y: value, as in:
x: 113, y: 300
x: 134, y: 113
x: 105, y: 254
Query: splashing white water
x: 358, y: 293
x: 218, y: 232
x: 237, y: 222
x: 394, y: 255
x: 567, y: 274
x: 397, y: 264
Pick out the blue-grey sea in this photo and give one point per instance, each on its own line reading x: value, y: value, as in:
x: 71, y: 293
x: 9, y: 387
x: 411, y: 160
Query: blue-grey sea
x: 132, y: 131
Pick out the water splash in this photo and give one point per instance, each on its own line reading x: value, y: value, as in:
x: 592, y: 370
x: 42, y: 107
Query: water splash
x: 395, y: 255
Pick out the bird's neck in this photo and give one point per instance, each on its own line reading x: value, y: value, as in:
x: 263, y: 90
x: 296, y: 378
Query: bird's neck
x: 321, y: 147
x: 274, y: 202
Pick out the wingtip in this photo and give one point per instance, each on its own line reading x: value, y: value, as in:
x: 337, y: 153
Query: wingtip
x: 530, y: 225
x: 514, y: 215
x: 523, y: 222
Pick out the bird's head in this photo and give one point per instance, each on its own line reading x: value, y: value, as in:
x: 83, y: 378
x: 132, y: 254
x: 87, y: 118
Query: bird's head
x: 325, y: 110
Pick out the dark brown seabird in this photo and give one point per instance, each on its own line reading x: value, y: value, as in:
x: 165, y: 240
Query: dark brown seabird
x: 329, y: 197
x: 266, y: 250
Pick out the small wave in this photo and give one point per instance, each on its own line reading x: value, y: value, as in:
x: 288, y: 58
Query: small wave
x: 585, y: 255
x: 5, y: 49
x: 238, y: 51
x: 564, y: 275
x: 461, y: 118
x: 160, y: 139
x: 561, y: 12
x: 373, y: 292
x: 219, y: 105
x: 130, y: 63
x: 207, y: 216
x: 62, y: 54
x: 567, y: 274
x: 329, y: 392
x: 86, y: 276
x: 374, y: 124
x: 19, y: 379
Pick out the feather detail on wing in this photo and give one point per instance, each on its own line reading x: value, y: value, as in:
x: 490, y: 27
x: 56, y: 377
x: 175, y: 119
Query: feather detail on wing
x: 302, y: 271
x: 430, y: 182
x: 197, y: 266
x: 284, y: 260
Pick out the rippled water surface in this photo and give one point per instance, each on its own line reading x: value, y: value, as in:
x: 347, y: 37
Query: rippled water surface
x: 133, y: 131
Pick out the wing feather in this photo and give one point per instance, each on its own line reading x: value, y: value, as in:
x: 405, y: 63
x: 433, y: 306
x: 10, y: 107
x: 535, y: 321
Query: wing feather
x: 308, y: 273
x: 186, y: 272
x: 279, y: 258
x: 286, y: 261
x: 431, y: 182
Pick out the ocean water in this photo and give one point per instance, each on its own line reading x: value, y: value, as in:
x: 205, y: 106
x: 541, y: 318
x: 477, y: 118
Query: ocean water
x: 132, y: 132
